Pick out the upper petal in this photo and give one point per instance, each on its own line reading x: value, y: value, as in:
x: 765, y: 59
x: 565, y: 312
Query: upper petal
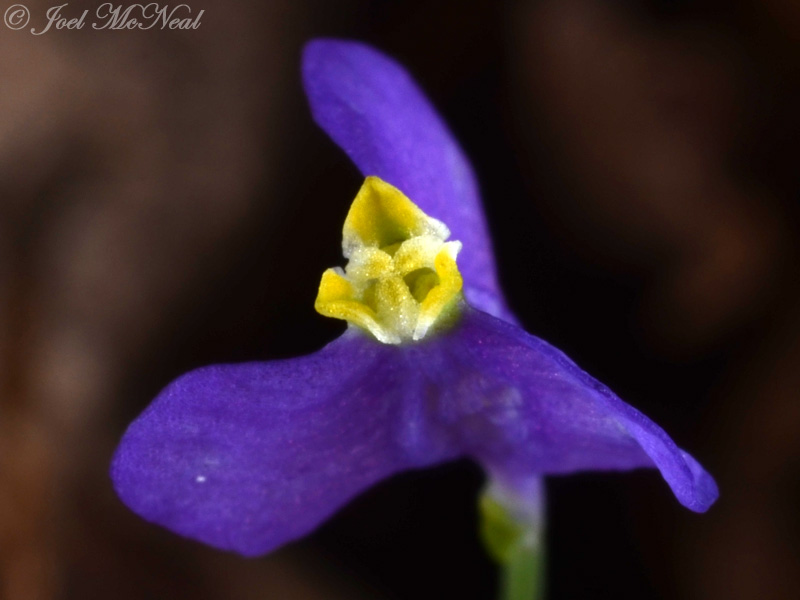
x: 247, y: 457
x: 375, y: 112
x: 521, y: 407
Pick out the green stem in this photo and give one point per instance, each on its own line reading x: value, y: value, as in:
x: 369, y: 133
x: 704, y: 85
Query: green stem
x: 512, y: 530
x: 522, y: 575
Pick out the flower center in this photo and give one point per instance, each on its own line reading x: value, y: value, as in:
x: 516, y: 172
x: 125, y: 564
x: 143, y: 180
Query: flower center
x: 401, y: 280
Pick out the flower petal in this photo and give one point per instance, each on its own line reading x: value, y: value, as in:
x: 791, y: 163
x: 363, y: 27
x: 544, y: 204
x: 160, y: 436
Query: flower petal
x: 521, y: 407
x: 375, y: 112
x: 247, y: 457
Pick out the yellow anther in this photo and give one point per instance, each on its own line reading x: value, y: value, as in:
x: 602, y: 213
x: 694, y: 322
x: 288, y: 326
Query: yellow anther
x: 401, y: 280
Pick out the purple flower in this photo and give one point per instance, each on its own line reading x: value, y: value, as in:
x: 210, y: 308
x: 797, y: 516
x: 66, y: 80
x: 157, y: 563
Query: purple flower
x: 248, y: 457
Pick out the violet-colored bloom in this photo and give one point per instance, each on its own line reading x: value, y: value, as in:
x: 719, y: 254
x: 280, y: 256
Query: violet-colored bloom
x: 249, y: 457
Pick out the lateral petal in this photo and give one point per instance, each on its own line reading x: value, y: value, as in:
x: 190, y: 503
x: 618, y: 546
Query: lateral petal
x: 521, y: 408
x: 248, y: 457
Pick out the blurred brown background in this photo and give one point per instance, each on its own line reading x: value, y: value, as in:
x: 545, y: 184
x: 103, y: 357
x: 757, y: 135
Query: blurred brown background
x: 168, y: 203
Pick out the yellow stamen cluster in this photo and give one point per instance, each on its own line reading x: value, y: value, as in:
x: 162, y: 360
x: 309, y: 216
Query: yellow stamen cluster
x: 401, y: 278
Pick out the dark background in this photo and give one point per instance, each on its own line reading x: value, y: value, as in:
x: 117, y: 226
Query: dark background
x: 167, y: 203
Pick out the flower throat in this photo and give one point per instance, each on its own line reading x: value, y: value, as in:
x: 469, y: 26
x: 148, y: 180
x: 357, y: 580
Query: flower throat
x: 401, y: 280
